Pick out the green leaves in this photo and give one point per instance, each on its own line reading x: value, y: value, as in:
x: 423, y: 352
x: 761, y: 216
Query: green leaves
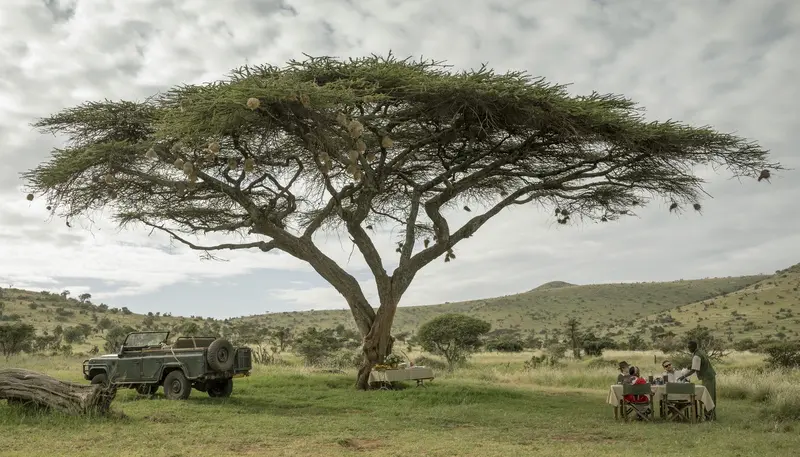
x: 453, y: 336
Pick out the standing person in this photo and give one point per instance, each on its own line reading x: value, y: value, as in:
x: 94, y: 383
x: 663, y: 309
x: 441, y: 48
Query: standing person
x: 705, y: 372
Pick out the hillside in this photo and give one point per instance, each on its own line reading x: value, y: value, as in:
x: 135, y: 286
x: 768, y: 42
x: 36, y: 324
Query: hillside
x: 603, y: 308
x: 768, y: 308
x: 598, y: 306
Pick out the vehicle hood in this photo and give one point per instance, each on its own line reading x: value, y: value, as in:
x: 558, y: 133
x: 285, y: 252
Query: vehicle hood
x: 105, y: 356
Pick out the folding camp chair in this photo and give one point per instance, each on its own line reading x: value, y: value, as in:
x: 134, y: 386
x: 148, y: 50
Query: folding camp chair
x: 678, y: 408
x: 644, y: 411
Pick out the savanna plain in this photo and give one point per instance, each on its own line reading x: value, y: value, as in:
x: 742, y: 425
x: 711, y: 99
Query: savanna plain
x: 496, y: 403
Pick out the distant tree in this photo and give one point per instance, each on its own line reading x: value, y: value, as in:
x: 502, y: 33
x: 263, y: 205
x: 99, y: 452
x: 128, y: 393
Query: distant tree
x: 707, y: 341
x: 533, y: 342
x: 15, y: 338
x: 102, y: 307
x: 104, y: 324
x: 281, y: 338
x: 187, y: 328
x: 636, y: 343
x: 572, y: 331
x: 280, y: 154
x: 453, y: 336
x: 73, y: 335
x: 115, y: 337
x: 84, y: 297
x: 46, y: 342
x: 316, y: 345
x: 594, y: 346
x: 85, y: 329
x: 126, y: 311
x: 505, y: 343
x: 64, y: 294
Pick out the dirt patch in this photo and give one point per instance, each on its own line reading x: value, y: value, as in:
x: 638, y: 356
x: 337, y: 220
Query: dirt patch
x: 359, y: 444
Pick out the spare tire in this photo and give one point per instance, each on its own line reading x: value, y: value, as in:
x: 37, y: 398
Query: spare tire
x: 220, y: 355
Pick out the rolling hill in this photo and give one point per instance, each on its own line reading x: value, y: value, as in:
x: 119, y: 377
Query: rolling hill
x: 767, y: 308
x: 604, y: 308
x: 598, y: 306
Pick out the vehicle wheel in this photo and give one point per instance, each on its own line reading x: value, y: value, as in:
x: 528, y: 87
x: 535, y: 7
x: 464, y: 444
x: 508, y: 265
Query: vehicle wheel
x: 100, y: 378
x: 220, y: 355
x: 176, y: 386
x: 146, y: 389
x: 221, y: 389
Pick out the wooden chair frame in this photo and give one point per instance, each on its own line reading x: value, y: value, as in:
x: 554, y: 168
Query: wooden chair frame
x: 627, y: 407
x: 676, y: 409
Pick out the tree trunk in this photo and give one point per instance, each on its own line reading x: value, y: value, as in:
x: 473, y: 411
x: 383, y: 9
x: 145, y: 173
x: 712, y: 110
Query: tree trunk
x: 378, y: 344
x: 37, y: 389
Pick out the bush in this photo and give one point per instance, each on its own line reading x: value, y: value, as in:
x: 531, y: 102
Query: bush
x: 316, y: 346
x: 430, y: 362
x: 783, y: 355
x: 746, y: 344
x: 602, y: 364
x: 344, y: 359
x: 505, y: 344
x: 540, y: 361
x: 784, y: 408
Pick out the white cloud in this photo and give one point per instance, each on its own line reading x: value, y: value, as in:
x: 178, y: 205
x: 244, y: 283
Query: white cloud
x: 730, y: 64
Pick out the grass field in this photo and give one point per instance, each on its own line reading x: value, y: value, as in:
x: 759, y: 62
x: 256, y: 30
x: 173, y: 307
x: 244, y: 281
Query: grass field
x: 491, y: 408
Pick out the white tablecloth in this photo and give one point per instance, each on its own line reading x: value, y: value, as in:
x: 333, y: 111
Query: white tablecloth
x: 403, y: 374
x: 615, y: 395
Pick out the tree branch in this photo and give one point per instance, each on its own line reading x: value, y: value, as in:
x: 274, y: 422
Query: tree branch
x: 264, y: 246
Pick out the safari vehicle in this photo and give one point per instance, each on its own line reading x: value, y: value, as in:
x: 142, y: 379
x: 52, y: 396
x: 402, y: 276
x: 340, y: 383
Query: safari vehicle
x: 145, y: 361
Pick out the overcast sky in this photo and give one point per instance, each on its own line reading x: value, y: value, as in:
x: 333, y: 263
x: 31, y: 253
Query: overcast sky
x: 731, y: 64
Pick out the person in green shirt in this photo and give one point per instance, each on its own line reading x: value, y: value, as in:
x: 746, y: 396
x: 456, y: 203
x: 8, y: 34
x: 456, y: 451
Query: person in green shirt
x: 705, y: 372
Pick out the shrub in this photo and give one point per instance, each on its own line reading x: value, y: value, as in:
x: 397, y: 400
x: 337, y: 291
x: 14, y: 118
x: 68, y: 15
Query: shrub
x: 505, y: 344
x: 602, y: 364
x: 344, y: 359
x: 430, y: 362
x: 746, y: 344
x: 783, y: 355
x: 539, y: 361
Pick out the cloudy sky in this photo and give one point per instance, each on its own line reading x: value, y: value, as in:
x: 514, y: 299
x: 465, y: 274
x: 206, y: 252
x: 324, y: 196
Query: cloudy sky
x: 731, y: 64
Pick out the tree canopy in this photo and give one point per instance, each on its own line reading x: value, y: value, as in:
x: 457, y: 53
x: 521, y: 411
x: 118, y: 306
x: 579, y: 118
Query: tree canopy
x: 453, y: 336
x: 276, y: 155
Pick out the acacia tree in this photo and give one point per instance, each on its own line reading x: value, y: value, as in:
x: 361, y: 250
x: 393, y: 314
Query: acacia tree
x: 280, y: 154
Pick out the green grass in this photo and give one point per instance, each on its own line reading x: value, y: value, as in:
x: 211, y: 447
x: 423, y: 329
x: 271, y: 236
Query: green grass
x: 492, y: 408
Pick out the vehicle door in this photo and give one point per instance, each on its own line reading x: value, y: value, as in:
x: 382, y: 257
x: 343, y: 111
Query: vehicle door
x: 128, y: 367
x: 152, y: 361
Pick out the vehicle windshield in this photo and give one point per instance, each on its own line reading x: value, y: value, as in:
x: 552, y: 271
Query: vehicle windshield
x: 146, y: 339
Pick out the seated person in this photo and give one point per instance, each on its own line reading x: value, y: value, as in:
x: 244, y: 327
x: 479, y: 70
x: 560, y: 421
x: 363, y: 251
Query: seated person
x: 669, y: 371
x: 636, y: 379
x: 623, y: 377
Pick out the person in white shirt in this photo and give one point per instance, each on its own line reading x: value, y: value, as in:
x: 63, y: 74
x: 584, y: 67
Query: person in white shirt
x: 671, y: 374
x: 669, y: 371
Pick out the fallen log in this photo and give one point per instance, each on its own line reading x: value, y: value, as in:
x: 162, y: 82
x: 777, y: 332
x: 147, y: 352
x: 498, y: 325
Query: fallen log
x: 39, y: 390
